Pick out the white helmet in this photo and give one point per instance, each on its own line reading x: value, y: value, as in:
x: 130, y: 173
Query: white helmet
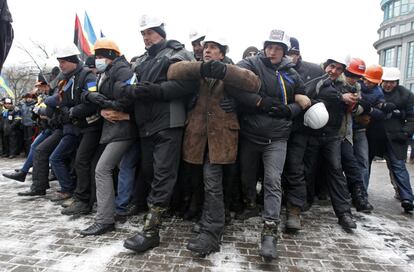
x: 316, y: 116
x: 67, y: 51
x: 149, y: 22
x: 216, y: 39
x: 195, y: 35
x: 391, y: 74
x: 340, y: 59
x: 279, y: 36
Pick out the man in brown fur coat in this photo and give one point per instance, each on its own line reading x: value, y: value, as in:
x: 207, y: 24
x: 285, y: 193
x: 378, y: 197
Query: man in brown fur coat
x: 211, y: 135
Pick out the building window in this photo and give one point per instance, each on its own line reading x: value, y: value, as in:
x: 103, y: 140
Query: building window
x: 410, y: 60
x: 386, y: 32
x: 389, y: 57
x: 399, y: 50
x: 396, y: 9
x: 393, y: 30
x: 402, y: 29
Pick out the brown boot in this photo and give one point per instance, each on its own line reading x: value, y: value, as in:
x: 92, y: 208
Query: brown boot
x: 293, y: 218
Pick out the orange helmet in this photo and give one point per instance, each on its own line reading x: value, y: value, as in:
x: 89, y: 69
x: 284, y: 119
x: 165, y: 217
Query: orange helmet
x: 373, y: 73
x: 105, y: 43
x: 356, y: 66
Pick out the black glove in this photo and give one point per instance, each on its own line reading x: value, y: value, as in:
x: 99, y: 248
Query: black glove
x: 110, y: 104
x: 400, y: 137
x: 95, y: 98
x: 280, y: 111
x: 228, y: 104
x: 218, y: 69
x: 205, y: 69
x: 267, y: 103
x: 365, y: 105
x: 398, y: 114
x: 152, y: 90
x: 388, y: 107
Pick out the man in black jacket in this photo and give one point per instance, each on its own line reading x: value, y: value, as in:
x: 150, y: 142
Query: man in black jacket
x: 160, y: 116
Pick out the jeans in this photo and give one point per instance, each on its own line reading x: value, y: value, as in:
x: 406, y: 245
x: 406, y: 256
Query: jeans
x: 212, y: 219
x: 59, y: 158
x: 361, y: 152
x: 350, y: 165
x: 330, y: 149
x: 402, y: 178
x: 29, y: 160
x: 126, y: 178
x: 273, y: 157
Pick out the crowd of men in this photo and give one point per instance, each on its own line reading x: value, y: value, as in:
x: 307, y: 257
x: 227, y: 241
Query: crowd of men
x: 192, y: 134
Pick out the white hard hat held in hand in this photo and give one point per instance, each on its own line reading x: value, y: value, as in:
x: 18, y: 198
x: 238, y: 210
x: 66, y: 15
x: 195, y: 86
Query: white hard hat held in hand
x: 316, y: 116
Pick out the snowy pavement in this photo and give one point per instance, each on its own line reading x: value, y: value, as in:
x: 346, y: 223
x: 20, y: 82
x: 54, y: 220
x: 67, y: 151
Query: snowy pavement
x: 34, y: 236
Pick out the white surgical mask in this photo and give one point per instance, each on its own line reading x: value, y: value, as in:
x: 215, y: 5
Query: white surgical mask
x: 101, y: 65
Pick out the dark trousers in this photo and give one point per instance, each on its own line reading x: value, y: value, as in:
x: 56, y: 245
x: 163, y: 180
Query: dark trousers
x: 160, y: 160
x: 85, y: 163
x: 41, y: 155
x: 294, y: 171
x: 212, y: 219
x: 28, y: 132
x: 232, y: 187
x: 329, y: 147
x: 15, y: 142
x: 350, y: 165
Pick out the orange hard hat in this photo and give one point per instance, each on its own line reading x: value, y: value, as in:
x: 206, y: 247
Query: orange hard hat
x: 108, y: 44
x: 356, y: 66
x: 373, y: 73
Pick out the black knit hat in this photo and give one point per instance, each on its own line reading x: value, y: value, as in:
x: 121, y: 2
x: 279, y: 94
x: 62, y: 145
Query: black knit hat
x: 294, y: 45
x: 106, y: 53
x: 160, y: 30
x: 73, y: 59
x: 90, y: 62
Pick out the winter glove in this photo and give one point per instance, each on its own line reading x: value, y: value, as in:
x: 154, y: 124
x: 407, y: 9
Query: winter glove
x: 205, y: 69
x: 95, y: 98
x: 267, y: 103
x: 110, y: 104
x: 400, y: 137
x: 398, y: 114
x: 365, y: 106
x: 218, y: 69
x: 387, y: 107
x: 228, y: 104
x: 151, y: 90
x: 280, y: 111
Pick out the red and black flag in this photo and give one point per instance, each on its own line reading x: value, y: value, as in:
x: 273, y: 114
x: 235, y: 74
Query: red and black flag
x: 80, y: 40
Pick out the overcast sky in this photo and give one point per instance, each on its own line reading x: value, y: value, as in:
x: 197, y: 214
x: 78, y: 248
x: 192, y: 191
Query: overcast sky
x: 324, y: 28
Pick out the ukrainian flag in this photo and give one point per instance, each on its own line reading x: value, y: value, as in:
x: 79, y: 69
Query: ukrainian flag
x: 91, y: 86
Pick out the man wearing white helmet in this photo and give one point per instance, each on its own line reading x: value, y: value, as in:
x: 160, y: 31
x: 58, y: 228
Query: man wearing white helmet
x: 265, y: 127
x: 326, y: 141
x: 213, y: 141
x: 159, y: 112
x: 389, y: 137
x: 196, y: 38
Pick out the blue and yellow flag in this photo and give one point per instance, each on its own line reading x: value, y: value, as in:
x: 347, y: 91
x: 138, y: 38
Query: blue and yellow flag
x: 5, y: 87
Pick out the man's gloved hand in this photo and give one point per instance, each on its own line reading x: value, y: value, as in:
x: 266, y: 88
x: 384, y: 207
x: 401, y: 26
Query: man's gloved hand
x: 365, y: 105
x: 228, y: 104
x: 205, y: 69
x: 280, y: 111
x: 110, y: 104
x: 267, y: 103
x: 387, y: 107
x: 152, y: 90
x: 398, y: 114
x: 95, y: 98
x: 217, y: 69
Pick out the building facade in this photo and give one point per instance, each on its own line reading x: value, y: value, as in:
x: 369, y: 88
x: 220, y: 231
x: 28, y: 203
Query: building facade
x: 395, y: 45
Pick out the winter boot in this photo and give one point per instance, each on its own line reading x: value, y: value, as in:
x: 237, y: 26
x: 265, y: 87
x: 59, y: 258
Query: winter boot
x: 251, y: 210
x: 77, y: 207
x: 19, y: 176
x: 347, y: 222
x: 269, y: 241
x: 149, y: 237
x: 360, y: 199
x: 407, y: 205
x: 203, y: 245
x: 293, y: 218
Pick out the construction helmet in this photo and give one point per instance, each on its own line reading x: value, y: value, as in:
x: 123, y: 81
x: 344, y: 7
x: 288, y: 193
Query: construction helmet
x: 108, y: 44
x: 216, y: 39
x: 356, y: 66
x: 316, y: 116
x: 149, y: 22
x: 196, y: 35
x: 391, y: 74
x: 373, y: 73
x: 278, y: 36
x: 67, y: 51
x: 337, y: 59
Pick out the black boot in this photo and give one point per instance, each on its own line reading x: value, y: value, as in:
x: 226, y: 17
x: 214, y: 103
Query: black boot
x: 293, y: 223
x: 346, y: 221
x: 251, y: 210
x: 203, y: 245
x: 408, y: 206
x: 77, y: 207
x: 149, y: 237
x: 19, y: 176
x: 269, y: 241
x: 360, y: 199
x: 97, y: 229
x: 32, y: 193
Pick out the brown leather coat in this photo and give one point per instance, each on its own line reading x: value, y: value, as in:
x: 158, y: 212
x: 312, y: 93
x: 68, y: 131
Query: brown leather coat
x: 208, y: 125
